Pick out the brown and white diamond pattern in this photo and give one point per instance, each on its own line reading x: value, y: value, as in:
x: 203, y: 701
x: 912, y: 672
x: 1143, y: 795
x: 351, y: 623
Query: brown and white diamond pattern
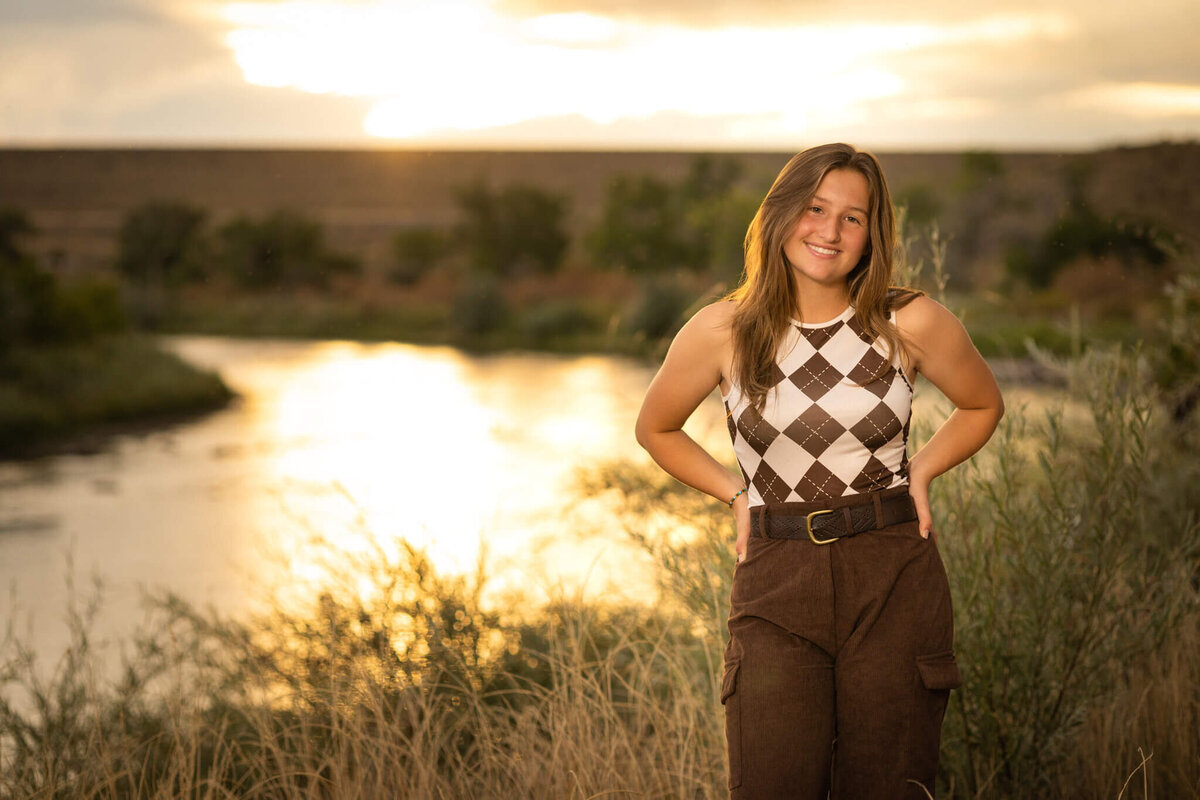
x: 819, y: 424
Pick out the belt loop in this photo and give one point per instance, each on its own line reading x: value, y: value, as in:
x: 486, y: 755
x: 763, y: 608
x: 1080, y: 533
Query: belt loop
x: 878, y: 510
x: 847, y: 519
x: 762, y: 522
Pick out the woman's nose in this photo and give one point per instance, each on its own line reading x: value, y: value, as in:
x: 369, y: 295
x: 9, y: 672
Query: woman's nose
x: 831, y: 229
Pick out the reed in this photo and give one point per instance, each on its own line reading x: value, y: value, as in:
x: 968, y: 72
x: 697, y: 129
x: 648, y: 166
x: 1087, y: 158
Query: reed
x: 1073, y: 549
x: 51, y: 392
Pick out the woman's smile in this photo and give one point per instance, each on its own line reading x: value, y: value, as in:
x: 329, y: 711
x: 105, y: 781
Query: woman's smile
x: 830, y: 235
x: 822, y: 252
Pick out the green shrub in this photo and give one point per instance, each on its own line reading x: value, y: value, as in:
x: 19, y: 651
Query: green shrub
x: 35, y: 308
x: 920, y: 203
x: 479, y: 306
x: 516, y: 230
x: 659, y: 308
x: 415, y: 252
x: 54, y: 390
x: 1083, y: 233
x: 651, y: 226
x: 1177, y: 358
x: 1011, y: 338
x: 641, y: 228
x: 388, y: 675
x: 977, y: 168
x: 88, y: 308
x: 161, y: 243
x: 1072, y: 551
x: 556, y: 319
x: 283, y: 249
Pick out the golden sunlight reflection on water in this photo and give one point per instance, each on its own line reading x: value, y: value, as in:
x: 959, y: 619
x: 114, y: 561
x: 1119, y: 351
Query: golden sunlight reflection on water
x: 335, y: 448
x: 455, y: 454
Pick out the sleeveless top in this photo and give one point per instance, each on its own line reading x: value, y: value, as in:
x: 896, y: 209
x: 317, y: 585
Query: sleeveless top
x: 827, y: 429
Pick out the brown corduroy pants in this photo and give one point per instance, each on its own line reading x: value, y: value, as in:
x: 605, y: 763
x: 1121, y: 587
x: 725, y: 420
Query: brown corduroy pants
x: 839, y: 665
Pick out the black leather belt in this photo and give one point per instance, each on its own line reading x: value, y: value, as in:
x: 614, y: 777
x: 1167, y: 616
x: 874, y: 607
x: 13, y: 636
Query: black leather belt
x: 827, y: 521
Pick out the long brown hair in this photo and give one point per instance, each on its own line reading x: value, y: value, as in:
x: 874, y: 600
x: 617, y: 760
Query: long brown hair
x: 767, y: 297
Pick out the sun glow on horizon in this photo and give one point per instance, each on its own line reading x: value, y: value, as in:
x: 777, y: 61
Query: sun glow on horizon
x: 444, y: 66
x: 1142, y: 98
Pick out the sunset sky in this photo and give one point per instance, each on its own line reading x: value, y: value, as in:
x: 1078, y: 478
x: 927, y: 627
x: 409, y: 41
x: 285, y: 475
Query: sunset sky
x: 676, y: 74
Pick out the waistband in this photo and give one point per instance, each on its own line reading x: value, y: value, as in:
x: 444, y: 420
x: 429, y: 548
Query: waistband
x: 825, y: 521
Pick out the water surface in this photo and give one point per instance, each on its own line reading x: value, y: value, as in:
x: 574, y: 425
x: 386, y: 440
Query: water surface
x: 455, y: 453
x: 452, y: 452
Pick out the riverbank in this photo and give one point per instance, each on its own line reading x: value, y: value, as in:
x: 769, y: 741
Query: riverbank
x: 388, y: 669
x: 599, y: 313
x: 71, y: 398
x: 75, y: 399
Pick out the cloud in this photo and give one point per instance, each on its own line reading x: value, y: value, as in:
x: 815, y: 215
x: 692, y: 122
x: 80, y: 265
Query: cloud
x: 774, y: 13
x: 47, y: 71
x: 113, y: 70
x: 626, y: 73
x: 72, y: 13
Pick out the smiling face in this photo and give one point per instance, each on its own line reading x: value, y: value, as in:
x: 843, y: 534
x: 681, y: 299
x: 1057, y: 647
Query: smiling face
x: 831, y: 234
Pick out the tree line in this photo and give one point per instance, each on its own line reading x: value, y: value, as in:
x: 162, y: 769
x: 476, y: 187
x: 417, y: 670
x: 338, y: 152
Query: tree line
x: 649, y: 227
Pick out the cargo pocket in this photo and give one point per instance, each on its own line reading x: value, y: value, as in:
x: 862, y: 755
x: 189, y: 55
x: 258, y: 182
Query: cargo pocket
x: 733, y: 721
x: 939, y: 671
x: 938, y: 674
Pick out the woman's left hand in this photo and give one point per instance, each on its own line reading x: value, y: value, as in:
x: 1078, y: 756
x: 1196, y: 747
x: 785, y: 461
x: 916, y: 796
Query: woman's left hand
x: 741, y: 516
x: 941, y: 350
x: 918, y: 490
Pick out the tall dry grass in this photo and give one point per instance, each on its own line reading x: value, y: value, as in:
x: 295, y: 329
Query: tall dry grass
x: 1073, y: 549
x: 409, y: 688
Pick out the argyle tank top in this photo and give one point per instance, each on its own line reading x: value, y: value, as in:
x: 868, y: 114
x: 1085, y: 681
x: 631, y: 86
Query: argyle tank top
x: 827, y: 429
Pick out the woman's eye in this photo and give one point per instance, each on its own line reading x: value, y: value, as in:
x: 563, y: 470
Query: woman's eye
x: 855, y: 220
x: 815, y: 209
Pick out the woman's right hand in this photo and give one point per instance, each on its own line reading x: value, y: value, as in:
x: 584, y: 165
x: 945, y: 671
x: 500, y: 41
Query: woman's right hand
x: 741, y: 516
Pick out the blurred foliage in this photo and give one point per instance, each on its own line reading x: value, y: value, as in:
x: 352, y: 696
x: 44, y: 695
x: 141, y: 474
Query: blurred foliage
x: 1176, y: 360
x: 28, y: 298
x: 161, y: 243
x: 1072, y: 545
x: 416, y: 252
x: 920, y: 203
x: 641, y: 227
x: 660, y: 306
x: 980, y: 195
x: 651, y: 226
x: 515, y: 230
x: 479, y: 305
x: 57, y: 390
x: 557, y: 319
x: 281, y: 249
x: 386, y: 674
x: 1074, y: 554
x: 36, y: 308
x: 1081, y: 232
x: 976, y: 169
x: 15, y: 226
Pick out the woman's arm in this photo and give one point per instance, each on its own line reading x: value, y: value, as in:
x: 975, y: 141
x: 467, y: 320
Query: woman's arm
x: 942, y: 351
x: 694, y: 366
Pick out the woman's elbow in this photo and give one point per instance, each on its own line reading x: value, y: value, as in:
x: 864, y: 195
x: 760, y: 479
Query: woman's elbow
x: 649, y: 434
x: 641, y: 432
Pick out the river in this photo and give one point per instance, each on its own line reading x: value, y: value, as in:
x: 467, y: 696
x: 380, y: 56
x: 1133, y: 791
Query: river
x: 452, y: 452
x: 352, y: 442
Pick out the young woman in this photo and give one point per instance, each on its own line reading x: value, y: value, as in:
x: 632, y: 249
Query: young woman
x: 840, y: 659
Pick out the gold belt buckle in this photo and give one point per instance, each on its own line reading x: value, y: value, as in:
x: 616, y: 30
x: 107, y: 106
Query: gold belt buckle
x: 808, y: 524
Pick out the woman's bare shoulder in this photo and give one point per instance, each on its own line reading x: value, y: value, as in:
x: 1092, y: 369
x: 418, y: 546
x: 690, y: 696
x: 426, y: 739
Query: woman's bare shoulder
x: 713, y: 321
x: 922, y: 316
x: 718, y: 313
x: 936, y: 339
x: 706, y: 337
